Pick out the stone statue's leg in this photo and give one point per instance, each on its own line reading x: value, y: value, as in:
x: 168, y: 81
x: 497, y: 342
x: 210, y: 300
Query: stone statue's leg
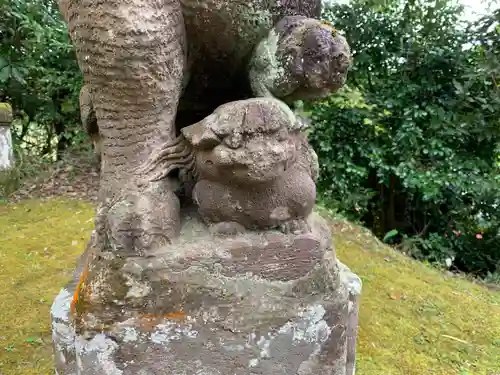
x: 133, y: 58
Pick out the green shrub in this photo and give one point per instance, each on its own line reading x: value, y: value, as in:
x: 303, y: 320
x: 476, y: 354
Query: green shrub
x: 410, y: 147
x: 39, y: 75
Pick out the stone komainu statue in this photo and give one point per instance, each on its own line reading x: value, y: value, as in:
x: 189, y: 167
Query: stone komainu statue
x: 198, y: 93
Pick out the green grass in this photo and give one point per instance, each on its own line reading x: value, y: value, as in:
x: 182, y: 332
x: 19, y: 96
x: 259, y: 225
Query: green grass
x: 39, y: 243
x: 413, y: 319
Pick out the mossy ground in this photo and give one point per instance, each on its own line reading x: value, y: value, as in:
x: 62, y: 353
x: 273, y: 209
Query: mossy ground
x: 413, y: 319
x: 39, y: 243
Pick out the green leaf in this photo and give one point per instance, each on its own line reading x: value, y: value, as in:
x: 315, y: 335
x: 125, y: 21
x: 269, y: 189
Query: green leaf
x: 3, y: 62
x: 390, y: 234
x: 17, y: 76
x: 5, y: 74
x: 34, y: 341
x: 68, y: 106
x: 458, y: 86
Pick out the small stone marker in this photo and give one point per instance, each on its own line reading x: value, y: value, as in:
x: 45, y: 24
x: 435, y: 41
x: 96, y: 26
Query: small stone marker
x: 6, y: 149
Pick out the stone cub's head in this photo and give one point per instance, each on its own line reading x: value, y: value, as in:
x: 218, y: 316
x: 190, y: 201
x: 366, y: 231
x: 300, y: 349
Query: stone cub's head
x: 247, y: 142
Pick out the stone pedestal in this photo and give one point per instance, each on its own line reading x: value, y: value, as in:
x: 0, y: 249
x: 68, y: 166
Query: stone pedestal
x: 252, y: 303
x: 6, y: 148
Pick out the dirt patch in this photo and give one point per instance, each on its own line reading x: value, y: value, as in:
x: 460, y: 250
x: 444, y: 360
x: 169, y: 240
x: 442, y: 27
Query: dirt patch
x: 76, y: 176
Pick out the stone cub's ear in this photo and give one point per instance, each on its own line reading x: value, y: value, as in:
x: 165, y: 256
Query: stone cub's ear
x: 200, y: 136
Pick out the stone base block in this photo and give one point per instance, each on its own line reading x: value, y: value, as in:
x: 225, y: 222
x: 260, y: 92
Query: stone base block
x: 250, y: 318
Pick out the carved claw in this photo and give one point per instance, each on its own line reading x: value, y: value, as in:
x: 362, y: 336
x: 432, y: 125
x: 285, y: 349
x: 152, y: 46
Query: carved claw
x: 140, y: 221
x: 175, y: 155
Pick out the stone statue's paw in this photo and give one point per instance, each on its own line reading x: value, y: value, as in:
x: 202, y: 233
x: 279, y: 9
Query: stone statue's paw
x: 296, y: 226
x: 142, y: 220
x: 311, y: 56
x: 326, y: 59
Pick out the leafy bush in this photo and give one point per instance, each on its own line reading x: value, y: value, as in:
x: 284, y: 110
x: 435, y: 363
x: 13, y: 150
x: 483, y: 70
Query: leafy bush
x: 39, y: 75
x: 411, y: 146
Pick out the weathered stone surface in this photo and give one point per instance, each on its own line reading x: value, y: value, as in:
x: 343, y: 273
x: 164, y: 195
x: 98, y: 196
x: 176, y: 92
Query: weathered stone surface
x: 353, y: 284
x: 221, y: 36
x: 250, y: 303
x: 63, y: 333
x: 301, y: 58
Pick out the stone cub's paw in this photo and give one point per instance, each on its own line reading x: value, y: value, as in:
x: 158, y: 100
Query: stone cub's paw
x: 295, y: 226
x: 142, y: 220
x: 226, y: 228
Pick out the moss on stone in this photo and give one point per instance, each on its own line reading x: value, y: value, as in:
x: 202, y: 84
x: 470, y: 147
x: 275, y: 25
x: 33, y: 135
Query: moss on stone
x: 413, y: 319
x: 5, y: 114
x: 5, y: 107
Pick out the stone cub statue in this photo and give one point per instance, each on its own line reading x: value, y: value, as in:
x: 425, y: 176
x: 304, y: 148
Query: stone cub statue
x: 255, y: 170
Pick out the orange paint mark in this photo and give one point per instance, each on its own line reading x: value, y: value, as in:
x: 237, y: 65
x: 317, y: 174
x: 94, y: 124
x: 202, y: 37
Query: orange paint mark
x: 79, y: 286
x: 175, y: 315
x: 149, y: 321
